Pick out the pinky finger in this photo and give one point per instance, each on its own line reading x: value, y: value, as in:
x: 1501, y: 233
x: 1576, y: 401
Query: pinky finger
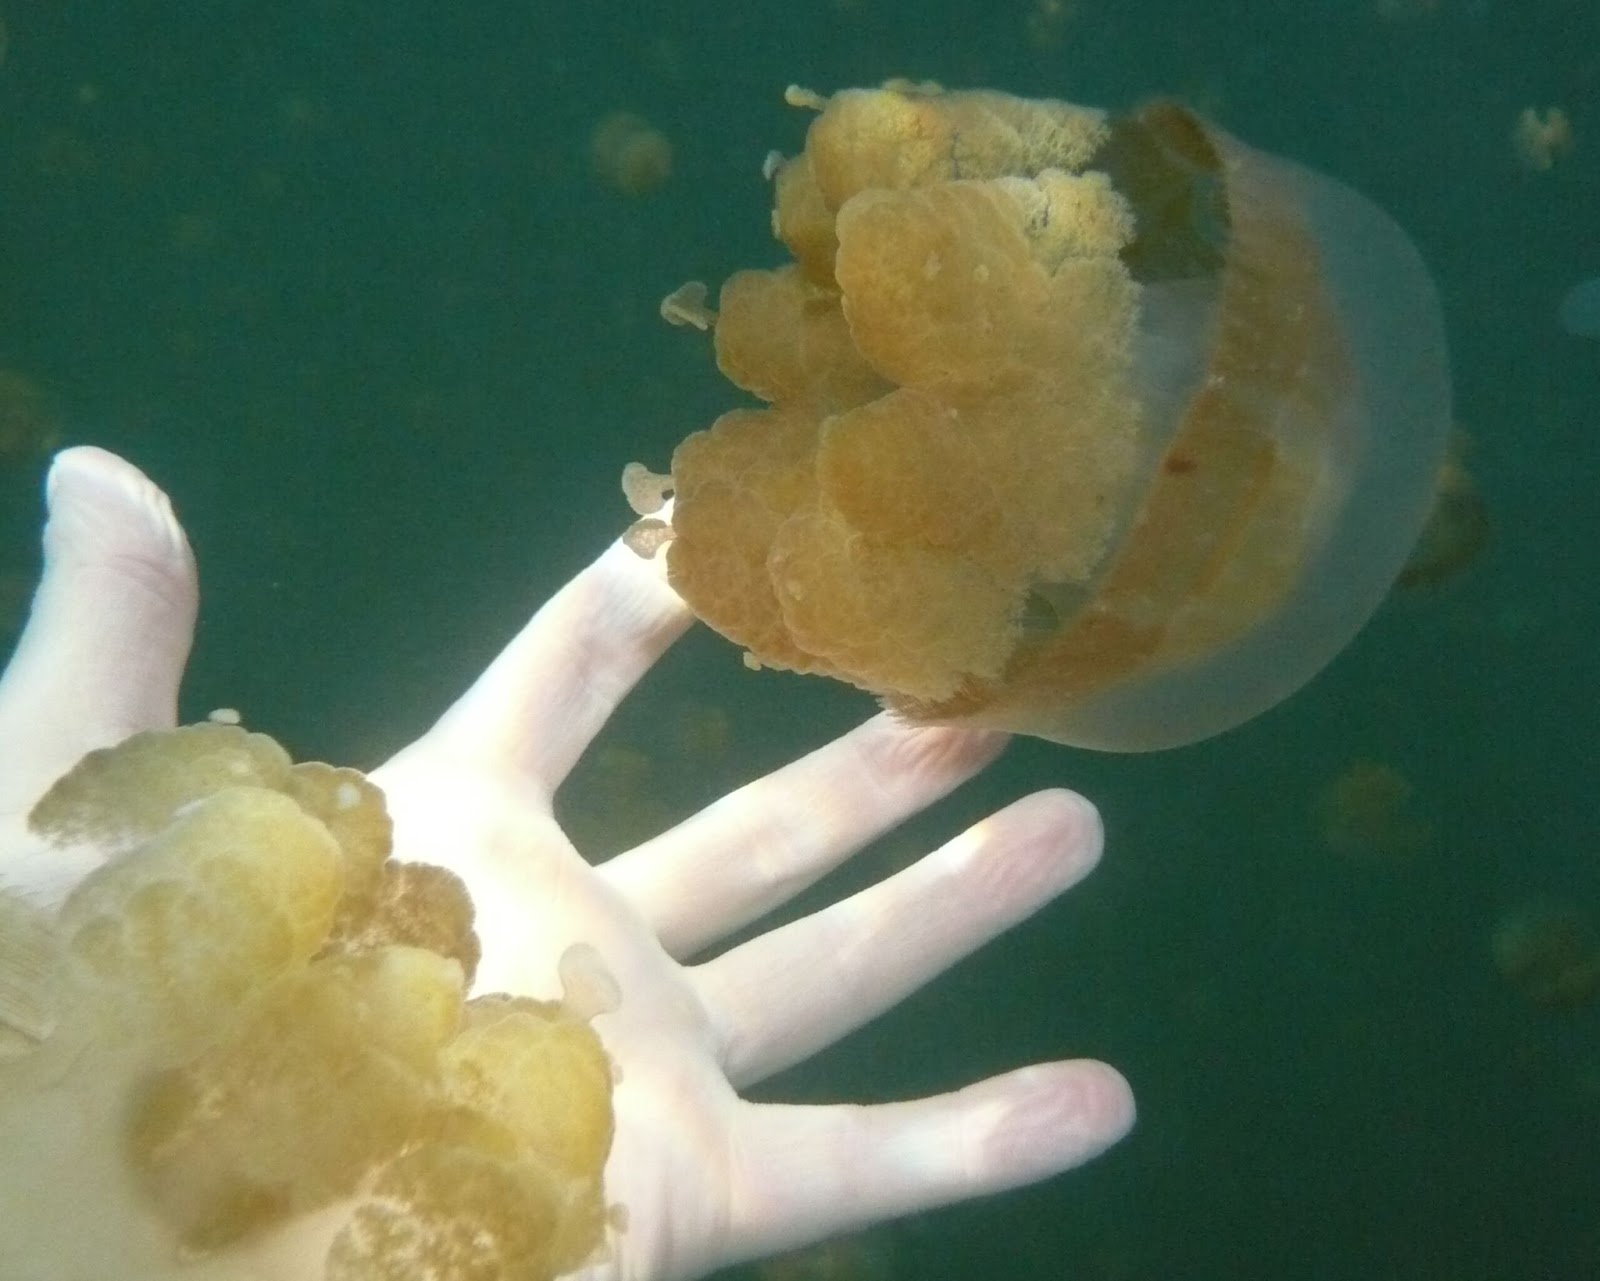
x: 811, y: 1172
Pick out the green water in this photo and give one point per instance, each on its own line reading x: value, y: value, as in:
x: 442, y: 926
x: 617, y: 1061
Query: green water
x: 341, y: 277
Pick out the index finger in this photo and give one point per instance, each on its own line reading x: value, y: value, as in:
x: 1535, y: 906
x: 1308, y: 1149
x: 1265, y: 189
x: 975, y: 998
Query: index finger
x: 542, y: 701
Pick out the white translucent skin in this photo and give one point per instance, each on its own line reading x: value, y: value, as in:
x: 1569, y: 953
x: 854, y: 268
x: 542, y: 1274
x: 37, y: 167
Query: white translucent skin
x: 706, y: 1178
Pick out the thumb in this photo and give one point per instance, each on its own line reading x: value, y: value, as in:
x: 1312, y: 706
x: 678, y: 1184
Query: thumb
x: 110, y: 628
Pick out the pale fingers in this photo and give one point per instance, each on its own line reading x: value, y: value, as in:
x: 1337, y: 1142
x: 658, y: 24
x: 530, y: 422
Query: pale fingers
x: 804, y: 1173
x: 759, y: 846
x: 783, y: 996
x: 541, y: 702
x: 105, y: 645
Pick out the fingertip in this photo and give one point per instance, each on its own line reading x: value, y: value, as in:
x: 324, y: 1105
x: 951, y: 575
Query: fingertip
x: 98, y: 503
x: 1062, y: 1115
x: 1082, y: 826
x: 1109, y: 1098
x: 1067, y: 826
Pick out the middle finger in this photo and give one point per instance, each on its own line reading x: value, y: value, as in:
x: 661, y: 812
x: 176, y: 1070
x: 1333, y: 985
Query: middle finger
x: 781, y: 997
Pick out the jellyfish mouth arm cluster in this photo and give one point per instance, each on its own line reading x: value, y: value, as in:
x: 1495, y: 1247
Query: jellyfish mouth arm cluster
x: 209, y: 1180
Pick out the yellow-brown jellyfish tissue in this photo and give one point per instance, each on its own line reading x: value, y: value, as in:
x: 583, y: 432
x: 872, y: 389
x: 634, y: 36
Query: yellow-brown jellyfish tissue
x: 244, y: 1046
x: 1103, y: 428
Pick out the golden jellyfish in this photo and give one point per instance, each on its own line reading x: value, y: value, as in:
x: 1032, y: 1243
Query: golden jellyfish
x: 245, y: 1045
x: 1107, y: 429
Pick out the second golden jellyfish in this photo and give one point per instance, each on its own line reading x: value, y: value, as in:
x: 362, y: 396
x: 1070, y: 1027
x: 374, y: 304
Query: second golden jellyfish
x: 1107, y: 429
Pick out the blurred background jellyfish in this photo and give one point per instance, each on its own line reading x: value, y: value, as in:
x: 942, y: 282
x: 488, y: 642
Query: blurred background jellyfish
x: 1366, y: 811
x: 29, y: 425
x: 1457, y: 529
x: 1580, y: 309
x: 1550, y: 952
x: 629, y: 154
x: 859, y: 1256
x: 1541, y: 138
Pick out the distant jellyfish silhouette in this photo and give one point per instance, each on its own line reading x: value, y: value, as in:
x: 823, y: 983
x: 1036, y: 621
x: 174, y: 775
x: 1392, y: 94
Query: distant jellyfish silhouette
x: 1580, y: 309
x: 1549, y: 951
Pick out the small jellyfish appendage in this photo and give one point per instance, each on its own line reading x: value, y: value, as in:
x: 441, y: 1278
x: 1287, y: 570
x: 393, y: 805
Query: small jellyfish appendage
x: 1106, y: 429
x: 686, y: 305
x: 645, y: 490
x: 588, y: 987
x: 647, y: 493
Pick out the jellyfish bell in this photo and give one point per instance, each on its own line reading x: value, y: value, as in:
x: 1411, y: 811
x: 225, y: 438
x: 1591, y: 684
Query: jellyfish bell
x: 1323, y: 414
x: 1107, y: 429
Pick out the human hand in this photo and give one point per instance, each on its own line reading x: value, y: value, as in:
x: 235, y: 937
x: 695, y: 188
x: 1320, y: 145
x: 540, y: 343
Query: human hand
x: 706, y: 1178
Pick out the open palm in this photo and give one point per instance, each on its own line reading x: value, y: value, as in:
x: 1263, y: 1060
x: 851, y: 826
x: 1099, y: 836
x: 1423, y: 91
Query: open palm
x: 705, y: 1177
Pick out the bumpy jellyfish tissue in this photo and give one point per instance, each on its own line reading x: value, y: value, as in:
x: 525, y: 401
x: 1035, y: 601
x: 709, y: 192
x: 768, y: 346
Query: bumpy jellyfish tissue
x: 243, y: 1047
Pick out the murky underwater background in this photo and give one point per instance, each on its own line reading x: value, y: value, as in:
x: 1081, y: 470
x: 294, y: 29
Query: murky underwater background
x: 346, y: 278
